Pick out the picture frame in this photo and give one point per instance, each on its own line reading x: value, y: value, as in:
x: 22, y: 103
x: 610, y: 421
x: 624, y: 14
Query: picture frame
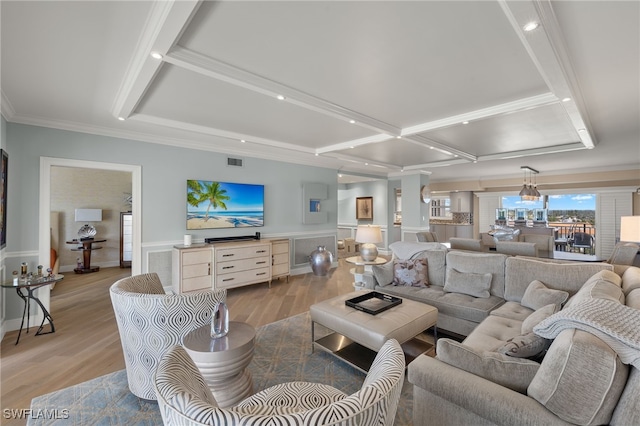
x: 4, y: 158
x: 364, y: 208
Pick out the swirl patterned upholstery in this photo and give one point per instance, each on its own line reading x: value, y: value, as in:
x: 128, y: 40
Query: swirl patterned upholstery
x: 185, y: 399
x: 151, y: 321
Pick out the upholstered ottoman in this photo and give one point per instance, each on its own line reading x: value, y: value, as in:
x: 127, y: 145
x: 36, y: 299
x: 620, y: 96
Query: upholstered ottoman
x: 359, y: 335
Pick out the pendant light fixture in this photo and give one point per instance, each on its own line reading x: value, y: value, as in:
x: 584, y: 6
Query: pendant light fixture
x: 529, y: 192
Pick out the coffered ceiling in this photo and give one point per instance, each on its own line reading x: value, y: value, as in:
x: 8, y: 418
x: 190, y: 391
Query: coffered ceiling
x: 458, y: 89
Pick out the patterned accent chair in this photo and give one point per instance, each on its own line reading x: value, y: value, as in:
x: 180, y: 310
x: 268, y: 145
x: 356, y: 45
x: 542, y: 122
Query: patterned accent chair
x: 185, y: 399
x: 151, y: 321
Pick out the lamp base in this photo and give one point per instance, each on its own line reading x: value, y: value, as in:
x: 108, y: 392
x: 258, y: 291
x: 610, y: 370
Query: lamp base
x: 368, y: 252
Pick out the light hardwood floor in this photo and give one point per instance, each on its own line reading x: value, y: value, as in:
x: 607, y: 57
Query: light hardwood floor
x: 86, y: 343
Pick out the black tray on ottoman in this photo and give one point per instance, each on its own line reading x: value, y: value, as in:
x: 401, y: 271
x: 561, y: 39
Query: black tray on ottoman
x: 373, y: 303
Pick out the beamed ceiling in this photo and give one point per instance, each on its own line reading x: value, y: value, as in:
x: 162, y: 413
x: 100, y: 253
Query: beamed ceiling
x: 457, y: 89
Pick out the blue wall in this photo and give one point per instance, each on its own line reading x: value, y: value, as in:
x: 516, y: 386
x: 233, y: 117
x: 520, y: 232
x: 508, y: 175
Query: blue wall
x: 165, y: 171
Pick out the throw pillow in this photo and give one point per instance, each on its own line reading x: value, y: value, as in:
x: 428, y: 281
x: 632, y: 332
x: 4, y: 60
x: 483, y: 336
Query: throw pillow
x: 513, y: 373
x: 525, y: 346
x: 383, y: 273
x: 537, y: 316
x: 538, y: 295
x: 476, y: 285
x: 411, y: 272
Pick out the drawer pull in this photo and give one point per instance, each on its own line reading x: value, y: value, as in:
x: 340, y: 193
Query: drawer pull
x: 228, y: 255
x: 228, y: 267
x: 261, y: 273
x: 261, y: 263
x: 261, y: 251
x: 228, y: 279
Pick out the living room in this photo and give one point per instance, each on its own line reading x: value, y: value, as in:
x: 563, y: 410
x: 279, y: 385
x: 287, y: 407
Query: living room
x: 202, y: 112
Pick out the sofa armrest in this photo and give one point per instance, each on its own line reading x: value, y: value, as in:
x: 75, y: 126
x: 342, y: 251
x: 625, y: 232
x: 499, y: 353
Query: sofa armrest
x: 468, y: 393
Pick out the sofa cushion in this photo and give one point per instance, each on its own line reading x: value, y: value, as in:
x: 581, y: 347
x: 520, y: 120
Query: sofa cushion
x: 538, y: 295
x: 456, y: 305
x: 513, y: 373
x: 383, y: 273
x: 630, y: 280
x: 633, y: 299
x: 476, y: 285
x: 492, y: 333
x: 480, y: 263
x: 570, y: 277
x: 411, y: 272
x: 537, y: 316
x: 435, y: 260
x: 580, y: 379
x: 603, y: 285
x: 513, y: 310
x: 525, y: 346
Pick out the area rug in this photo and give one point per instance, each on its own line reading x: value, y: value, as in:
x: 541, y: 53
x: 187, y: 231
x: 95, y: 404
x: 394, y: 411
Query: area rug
x: 282, y: 354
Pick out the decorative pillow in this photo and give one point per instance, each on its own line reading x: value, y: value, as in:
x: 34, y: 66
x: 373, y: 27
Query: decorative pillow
x: 536, y: 317
x: 513, y: 373
x: 412, y: 273
x: 383, y: 273
x: 538, y: 295
x: 580, y: 380
x: 525, y: 346
x: 476, y: 285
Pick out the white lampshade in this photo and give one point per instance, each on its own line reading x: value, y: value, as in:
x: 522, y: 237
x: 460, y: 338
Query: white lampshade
x: 368, y: 234
x: 630, y: 229
x: 88, y: 215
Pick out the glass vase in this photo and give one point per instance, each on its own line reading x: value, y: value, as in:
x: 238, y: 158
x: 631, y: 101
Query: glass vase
x: 220, y: 320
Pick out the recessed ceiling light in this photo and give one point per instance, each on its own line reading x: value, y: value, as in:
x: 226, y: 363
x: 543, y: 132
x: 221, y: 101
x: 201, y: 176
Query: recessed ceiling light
x: 156, y: 55
x: 339, y: 174
x: 121, y: 118
x: 281, y: 98
x: 431, y: 147
x: 352, y: 121
x: 366, y: 164
x: 352, y: 147
x: 398, y: 137
x: 316, y: 154
x: 566, y: 99
x: 531, y: 26
x: 242, y: 140
x: 465, y: 122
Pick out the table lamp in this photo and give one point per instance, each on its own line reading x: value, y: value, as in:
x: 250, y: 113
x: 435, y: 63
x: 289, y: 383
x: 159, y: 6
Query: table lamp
x: 368, y: 236
x: 88, y: 231
x: 630, y: 229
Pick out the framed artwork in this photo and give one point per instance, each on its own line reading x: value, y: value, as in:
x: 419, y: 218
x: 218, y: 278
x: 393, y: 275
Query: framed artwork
x: 364, y: 208
x: 3, y: 198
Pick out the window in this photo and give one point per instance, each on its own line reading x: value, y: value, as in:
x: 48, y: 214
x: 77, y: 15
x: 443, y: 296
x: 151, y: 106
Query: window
x: 441, y: 208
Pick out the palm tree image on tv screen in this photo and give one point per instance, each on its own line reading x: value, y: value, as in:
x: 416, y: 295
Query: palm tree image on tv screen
x: 212, y: 205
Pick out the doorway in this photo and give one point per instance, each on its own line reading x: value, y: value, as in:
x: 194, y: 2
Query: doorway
x: 44, y: 239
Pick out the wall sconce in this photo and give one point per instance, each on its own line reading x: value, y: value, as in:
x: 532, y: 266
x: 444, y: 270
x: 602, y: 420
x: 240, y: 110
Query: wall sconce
x: 87, y: 231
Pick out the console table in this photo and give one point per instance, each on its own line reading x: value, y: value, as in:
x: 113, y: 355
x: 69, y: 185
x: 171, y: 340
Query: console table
x: 31, y: 287
x: 86, y: 247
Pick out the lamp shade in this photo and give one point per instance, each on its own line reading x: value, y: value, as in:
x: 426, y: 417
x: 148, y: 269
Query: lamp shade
x: 88, y: 215
x: 368, y: 234
x: 630, y: 229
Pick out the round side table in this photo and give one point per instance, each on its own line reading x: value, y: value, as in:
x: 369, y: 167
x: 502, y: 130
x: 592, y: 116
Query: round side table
x: 223, y: 362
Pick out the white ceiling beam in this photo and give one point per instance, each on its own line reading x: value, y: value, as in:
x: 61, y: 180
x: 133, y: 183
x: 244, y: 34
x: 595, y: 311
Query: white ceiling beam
x: 353, y: 143
x: 506, y: 108
x: 362, y: 161
x: 206, y: 130
x: 547, y: 49
x: 166, y: 23
x: 196, y: 62
x: 535, y: 151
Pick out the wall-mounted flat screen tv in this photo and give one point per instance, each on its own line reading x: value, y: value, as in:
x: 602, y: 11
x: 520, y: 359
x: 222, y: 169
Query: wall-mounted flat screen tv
x: 212, y: 205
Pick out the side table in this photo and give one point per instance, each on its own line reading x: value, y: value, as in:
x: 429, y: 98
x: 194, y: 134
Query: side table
x: 30, y: 287
x: 360, y: 270
x: 86, y: 247
x: 223, y: 362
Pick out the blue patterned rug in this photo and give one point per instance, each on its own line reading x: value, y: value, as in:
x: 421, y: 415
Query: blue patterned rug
x: 282, y: 354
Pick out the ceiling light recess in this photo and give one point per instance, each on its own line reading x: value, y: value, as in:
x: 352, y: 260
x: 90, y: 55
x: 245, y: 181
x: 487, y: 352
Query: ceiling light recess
x: 156, y: 55
x: 530, y: 26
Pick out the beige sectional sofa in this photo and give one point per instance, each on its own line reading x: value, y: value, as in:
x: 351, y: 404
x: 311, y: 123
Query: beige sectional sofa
x: 503, y: 372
